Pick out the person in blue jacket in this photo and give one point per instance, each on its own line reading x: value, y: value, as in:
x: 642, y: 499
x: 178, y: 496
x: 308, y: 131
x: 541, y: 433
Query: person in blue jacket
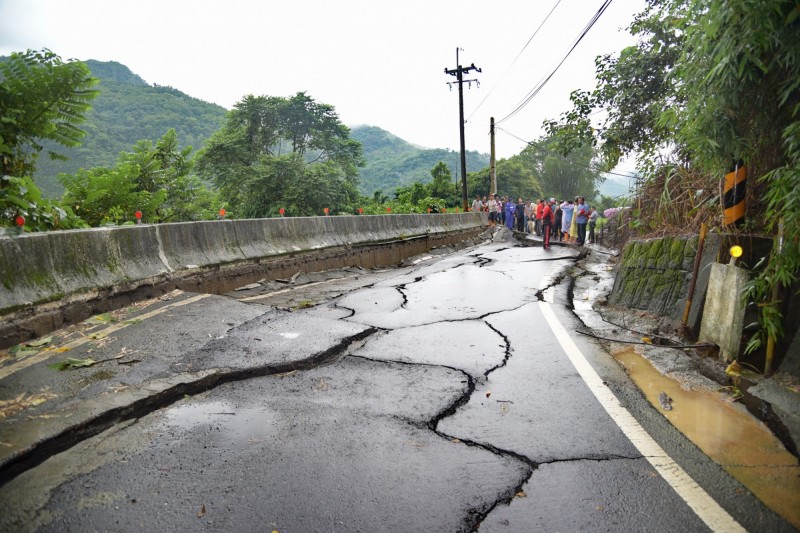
x: 510, y: 213
x: 582, y: 217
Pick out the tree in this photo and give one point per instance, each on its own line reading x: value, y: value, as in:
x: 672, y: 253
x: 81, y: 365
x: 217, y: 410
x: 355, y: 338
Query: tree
x: 110, y: 195
x: 154, y: 179
x: 441, y: 186
x: 633, y: 89
x: 709, y: 82
x: 41, y: 98
x: 516, y: 177
x: 560, y: 176
x: 290, y: 153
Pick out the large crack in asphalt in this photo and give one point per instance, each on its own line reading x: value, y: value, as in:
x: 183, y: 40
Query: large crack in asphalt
x: 72, y: 435
x: 476, y: 516
x: 86, y: 429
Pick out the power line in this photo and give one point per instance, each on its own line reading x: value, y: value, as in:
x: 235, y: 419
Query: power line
x: 533, y: 92
x: 541, y: 148
x: 513, y: 62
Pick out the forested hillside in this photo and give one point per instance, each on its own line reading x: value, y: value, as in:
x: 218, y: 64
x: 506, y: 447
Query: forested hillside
x: 392, y: 162
x: 128, y: 110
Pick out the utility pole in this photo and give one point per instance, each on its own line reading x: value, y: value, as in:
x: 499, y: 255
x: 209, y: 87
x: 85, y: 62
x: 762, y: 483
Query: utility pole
x: 459, y: 72
x: 492, y: 165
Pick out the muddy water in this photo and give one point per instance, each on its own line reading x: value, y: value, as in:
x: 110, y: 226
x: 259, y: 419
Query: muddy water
x: 728, y: 434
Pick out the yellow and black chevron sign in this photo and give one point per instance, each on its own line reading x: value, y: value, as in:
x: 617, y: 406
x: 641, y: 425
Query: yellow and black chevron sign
x: 733, y: 196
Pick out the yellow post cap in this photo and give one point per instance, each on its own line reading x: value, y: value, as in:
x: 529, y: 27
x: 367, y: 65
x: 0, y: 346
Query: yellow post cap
x: 736, y: 251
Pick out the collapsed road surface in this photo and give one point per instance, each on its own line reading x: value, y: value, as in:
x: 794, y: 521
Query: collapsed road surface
x: 447, y: 395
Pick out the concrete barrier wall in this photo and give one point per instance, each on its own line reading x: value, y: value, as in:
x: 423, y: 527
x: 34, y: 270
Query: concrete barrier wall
x: 45, y: 267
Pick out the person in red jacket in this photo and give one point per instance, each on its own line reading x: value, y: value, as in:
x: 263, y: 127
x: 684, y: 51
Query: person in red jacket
x: 547, y: 223
x: 539, y: 209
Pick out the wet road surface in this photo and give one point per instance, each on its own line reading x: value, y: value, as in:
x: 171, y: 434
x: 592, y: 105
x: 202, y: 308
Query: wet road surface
x: 436, y: 397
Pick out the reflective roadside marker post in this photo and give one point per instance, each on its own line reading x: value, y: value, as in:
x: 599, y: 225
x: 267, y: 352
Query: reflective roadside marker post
x: 360, y: 210
x: 138, y: 215
x: 388, y: 209
x: 222, y: 213
x: 282, y: 211
x: 326, y: 210
x: 19, y: 221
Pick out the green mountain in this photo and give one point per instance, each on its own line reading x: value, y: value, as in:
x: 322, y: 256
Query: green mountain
x: 128, y: 110
x: 393, y: 162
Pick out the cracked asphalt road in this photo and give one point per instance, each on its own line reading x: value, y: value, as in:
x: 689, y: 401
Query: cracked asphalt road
x: 432, y: 397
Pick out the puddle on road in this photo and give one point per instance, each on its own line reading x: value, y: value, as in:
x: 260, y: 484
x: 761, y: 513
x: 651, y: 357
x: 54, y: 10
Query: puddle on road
x: 733, y: 438
x: 237, y: 426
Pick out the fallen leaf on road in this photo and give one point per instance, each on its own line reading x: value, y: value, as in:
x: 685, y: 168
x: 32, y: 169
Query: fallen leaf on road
x: 21, y: 351
x: 72, y: 363
x: 105, y: 318
x: 23, y: 401
x: 29, y: 348
x: 99, y: 335
x: 488, y: 393
x: 40, y: 342
x: 202, y: 512
x: 521, y: 494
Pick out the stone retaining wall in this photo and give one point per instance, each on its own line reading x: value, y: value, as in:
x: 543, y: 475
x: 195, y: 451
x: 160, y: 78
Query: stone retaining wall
x: 654, y: 276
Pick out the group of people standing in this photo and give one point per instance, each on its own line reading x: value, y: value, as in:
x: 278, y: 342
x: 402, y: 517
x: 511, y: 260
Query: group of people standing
x: 567, y: 220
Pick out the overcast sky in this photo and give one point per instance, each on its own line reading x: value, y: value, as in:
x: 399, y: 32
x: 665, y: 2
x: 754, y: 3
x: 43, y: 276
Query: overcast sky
x: 378, y: 62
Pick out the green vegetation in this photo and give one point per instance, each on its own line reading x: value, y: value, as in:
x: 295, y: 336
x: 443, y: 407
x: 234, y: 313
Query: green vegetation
x: 708, y: 83
x: 43, y: 99
x: 126, y: 111
x: 290, y: 153
x: 392, y: 162
x: 153, y: 179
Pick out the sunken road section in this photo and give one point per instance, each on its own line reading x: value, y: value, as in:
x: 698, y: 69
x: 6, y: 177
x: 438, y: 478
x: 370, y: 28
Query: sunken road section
x: 52, y: 279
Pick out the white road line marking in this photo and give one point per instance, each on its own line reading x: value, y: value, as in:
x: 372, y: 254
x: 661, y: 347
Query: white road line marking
x: 709, y: 511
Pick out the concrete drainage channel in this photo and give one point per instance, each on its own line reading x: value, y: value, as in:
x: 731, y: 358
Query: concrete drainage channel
x: 695, y: 384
